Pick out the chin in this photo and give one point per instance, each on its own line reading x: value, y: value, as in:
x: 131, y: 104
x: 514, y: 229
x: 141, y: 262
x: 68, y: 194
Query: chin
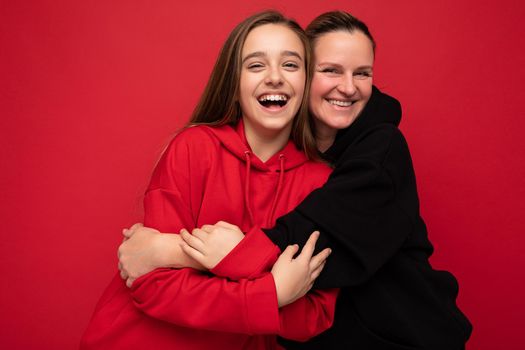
x: 341, y: 123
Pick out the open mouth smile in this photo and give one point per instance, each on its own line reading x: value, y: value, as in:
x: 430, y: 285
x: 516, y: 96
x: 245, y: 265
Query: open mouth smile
x: 340, y: 103
x: 273, y: 100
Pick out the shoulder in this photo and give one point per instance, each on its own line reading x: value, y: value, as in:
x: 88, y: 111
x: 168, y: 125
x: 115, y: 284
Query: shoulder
x: 378, y: 143
x: 316, y: 172
x: 193, y: 146
x: 317, y: 166
x: 380, y: 135
x: 192, y: 140
x: 198, y: 135
x: 187, y: 157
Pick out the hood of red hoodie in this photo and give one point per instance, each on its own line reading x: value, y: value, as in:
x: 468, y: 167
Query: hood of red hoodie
x: 233, y: 138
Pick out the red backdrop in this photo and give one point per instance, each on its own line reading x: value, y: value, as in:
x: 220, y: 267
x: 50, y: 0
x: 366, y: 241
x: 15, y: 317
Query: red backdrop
x: 91, y: 91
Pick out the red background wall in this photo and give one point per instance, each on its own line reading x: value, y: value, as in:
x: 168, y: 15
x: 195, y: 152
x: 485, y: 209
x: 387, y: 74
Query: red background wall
x: 91, y: 90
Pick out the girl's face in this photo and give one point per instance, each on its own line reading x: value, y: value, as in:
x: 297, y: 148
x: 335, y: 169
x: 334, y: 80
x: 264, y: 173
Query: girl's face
x: 342, y: 80
x: 272, y: 79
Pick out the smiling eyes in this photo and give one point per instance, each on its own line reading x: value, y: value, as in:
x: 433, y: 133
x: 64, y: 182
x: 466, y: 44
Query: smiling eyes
x: 335, y: 71
x: 259, y: 66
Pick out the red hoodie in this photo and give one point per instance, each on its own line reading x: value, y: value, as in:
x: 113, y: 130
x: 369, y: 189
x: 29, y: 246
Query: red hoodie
x: 209, y: 174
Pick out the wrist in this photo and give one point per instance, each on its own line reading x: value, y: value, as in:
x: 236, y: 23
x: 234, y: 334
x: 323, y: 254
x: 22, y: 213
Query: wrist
x: 279, y: 292
x: 167, y: 250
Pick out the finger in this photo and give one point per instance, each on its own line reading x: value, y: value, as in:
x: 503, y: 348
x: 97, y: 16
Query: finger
x: 227, y: 225
x: 320, y: 258
x: 136, y: 226
x: 192, y: 253
x: 123, y: 274
x: 207, y: 228
x: 129, y: 282
x: 191, y: 240
x: 289, y: 252
x: 200, y: 234
x: 119, y: 266
x: 309, y: 247
x: 316, y: 272
x: 131, y: 231
x: 127, y: 233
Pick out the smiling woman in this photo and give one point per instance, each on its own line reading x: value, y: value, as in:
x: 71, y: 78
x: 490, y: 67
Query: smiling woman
x: 368, y: 212
x: 271, y: 86
x: 239, y: 148
x: 342, y: 83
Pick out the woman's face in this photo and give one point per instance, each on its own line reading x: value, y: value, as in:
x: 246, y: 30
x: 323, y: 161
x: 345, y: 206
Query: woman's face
x: 342, y: 80
x: 272, y: 79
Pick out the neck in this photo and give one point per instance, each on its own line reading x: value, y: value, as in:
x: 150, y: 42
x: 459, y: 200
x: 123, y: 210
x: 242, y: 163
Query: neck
x: 324, y: 136
x: 267, y: 143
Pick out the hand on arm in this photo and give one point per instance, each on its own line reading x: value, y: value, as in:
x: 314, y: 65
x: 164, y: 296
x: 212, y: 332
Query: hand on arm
x: 161, y: 295
x: 144, y: 249
x: 211, y: 243
x: 294, y: 277
x: 363, y: 202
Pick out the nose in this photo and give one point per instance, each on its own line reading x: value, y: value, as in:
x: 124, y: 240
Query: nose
x: 274, y: 77
x: 346, y: 85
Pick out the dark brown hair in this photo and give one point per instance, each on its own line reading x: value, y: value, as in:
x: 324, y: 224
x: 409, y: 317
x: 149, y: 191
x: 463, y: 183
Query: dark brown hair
x: 219, y: 104
x: 336, y: 21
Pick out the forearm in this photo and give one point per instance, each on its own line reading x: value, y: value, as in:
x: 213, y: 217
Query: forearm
x: 252, y: 257
x: 359, y: 246
x: 358, y: 211
x: 192, y: 299
x: 308, y: 316
x: 171, y: 254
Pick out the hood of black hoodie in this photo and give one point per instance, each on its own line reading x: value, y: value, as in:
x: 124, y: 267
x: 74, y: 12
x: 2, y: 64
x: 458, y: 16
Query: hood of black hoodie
x: 380, y: 109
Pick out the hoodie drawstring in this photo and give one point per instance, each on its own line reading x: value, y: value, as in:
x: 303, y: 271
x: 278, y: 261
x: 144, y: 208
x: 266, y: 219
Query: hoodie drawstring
x: 247, y: 188
x: 271, y: 217
x: 277, y: 192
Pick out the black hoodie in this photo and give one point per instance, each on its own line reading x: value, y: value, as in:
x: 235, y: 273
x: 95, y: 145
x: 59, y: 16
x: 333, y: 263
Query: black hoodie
x: 368, y: 213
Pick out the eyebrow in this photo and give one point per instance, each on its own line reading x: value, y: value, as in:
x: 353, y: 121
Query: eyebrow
x: 285, y: 53
x: 338, y: 65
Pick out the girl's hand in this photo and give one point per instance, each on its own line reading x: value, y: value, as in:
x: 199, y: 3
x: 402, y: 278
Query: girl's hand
x: 144, y: 249
x: 138, y: 254
x: 295, y: 277
x: 211, y: 243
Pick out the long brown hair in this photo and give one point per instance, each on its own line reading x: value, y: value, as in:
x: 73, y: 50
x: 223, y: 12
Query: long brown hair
x: 219, y: 104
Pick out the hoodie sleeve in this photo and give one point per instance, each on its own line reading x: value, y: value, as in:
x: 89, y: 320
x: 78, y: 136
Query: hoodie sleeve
x: 195, y: 299
x: 253, y: 257
x: 187, y: 297
x: 358, y: 211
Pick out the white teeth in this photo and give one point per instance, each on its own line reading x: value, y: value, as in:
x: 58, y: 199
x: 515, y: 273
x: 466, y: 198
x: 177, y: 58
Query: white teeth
x: 273, y: 98
x: 340, y: 103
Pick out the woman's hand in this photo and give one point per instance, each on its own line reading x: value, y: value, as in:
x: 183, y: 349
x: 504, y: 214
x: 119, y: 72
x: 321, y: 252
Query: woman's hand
x: 211, y: 243
x: 295, y: 277
x: 144, y: 249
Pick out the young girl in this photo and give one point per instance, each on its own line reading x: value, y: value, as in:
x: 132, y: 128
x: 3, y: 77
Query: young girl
x: 368, y: 211
x: 236, y: 162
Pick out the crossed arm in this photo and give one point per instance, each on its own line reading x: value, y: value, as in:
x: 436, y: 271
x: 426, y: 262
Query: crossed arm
x: 302, y: 314
x: 145, y: 249
x: 230, y: 300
